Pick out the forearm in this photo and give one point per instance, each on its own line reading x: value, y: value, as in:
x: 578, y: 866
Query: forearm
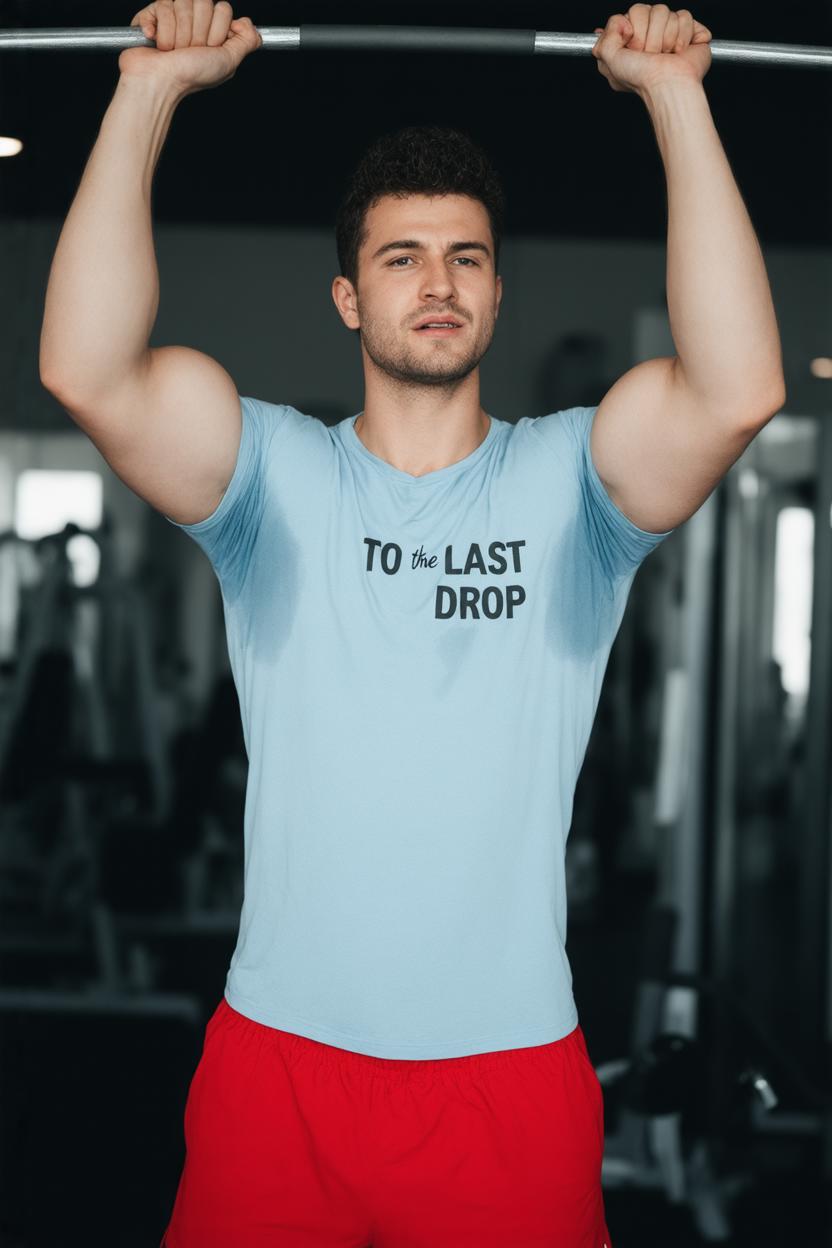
x: 102, y: 297
x: 719, y: 301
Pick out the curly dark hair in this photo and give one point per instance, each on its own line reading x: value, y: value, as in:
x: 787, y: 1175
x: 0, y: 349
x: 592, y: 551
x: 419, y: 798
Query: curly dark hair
x: 418, y: 160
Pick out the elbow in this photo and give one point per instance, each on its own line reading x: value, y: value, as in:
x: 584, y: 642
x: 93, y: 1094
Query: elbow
x: 56, y: 384
x: 49, y: 377
x: 48, y: 383
x: 65, y: 396
x: 774, y: 390
x: 753, y: 410
x: 772, y: 401
x: 54, y: 368
x: 46, y: 367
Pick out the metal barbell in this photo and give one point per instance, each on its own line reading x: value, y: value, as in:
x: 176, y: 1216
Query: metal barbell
x: 409, y: 39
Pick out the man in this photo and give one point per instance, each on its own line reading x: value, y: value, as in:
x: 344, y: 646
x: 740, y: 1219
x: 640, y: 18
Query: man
x: 420, y: 604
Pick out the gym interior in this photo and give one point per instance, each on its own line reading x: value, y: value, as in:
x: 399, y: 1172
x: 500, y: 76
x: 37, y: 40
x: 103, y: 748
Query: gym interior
x: 699, y: 871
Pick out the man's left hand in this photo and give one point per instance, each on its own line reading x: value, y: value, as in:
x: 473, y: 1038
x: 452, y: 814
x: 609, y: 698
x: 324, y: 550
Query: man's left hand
x: 650, y: 44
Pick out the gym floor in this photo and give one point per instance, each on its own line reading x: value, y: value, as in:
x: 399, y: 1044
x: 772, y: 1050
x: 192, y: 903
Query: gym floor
x: 781, y: 1213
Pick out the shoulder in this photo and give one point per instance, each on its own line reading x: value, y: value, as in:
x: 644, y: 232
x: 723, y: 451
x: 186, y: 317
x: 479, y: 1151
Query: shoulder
x: 563, y: 434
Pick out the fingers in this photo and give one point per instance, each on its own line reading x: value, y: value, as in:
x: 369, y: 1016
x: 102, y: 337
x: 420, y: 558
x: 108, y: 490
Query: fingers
x: 188, y: 23
x: 244, y: 37
x: 165, y: 25
x: 658, y: 29
x: 657, y: 24
x: 220, y: 24
x: 671, y: 33
x: 618, y: 31
x: 685, y: 35
x: 146, y: 18
x: 639, y: 16
x: 184, y: 23
x: 203, y: 16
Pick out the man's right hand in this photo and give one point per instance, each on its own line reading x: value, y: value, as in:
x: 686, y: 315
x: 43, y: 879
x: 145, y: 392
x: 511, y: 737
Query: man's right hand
x: 199, y: 44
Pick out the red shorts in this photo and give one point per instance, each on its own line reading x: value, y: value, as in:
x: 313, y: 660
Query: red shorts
x: 291, y: 1143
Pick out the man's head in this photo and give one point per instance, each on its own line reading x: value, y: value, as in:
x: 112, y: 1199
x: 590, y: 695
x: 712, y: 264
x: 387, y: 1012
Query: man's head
x: 434, y: 190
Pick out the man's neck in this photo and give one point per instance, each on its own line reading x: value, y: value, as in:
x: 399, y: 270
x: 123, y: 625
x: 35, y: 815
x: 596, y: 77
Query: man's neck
x: 421, y: 443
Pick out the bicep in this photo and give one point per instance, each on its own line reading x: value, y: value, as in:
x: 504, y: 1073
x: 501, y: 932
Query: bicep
x: 171, y: 431
x: 659, y: 452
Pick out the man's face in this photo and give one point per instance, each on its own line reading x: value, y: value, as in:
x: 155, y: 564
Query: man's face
x: 398, y: 286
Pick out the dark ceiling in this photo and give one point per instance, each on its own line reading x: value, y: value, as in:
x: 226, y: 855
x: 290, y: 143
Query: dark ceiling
x: 275, y: 145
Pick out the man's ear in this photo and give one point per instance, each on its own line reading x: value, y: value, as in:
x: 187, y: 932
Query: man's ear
x: 345, y: 299
x: 499, y: 283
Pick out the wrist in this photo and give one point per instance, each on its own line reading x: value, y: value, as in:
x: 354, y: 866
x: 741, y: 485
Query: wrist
x: 675, y: 108
x: 677, y: 86
x: 151, y: 88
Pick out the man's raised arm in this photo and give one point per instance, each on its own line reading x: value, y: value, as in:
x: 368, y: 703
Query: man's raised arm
x: 167, y: 420
x: 669, y: 429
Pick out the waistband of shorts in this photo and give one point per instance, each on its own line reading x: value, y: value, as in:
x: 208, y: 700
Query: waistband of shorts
x: 296, y: 1047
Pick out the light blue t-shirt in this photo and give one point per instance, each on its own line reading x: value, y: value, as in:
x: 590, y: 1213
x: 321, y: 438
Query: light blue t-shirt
x: 418, y: 662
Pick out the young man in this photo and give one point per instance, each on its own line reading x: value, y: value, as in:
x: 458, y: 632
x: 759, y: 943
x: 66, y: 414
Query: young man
x: 420, y: 604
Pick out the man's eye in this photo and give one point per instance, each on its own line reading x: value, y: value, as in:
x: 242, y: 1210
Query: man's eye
x: 466, y: 259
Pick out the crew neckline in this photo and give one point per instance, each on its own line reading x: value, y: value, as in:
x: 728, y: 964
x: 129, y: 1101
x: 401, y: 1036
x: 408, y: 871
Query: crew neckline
x: 427, y: 478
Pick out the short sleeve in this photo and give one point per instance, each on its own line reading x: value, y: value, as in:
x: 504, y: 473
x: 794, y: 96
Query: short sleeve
x: 229, y: 534
x: 619, y: 544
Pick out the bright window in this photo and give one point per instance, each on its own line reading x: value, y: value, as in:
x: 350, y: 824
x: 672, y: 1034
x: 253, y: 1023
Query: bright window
x: 47, y: 500
x: 793, y: 570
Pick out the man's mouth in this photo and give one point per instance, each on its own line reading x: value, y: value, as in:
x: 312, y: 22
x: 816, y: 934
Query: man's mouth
x: 439, y: 328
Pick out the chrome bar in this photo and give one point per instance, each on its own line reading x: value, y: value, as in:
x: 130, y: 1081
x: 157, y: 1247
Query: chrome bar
x: 117, y: 38
x: 721, y: 50
x: 412, y: 39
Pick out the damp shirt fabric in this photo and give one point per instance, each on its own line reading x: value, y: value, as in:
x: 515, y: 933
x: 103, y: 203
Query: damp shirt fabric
x: 418, y: 662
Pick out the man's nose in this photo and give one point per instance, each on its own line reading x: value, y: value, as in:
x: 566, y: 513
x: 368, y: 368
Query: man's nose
x: 437, y: 279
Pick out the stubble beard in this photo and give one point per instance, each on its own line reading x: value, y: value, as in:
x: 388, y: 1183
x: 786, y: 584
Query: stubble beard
x: 433, y: 366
